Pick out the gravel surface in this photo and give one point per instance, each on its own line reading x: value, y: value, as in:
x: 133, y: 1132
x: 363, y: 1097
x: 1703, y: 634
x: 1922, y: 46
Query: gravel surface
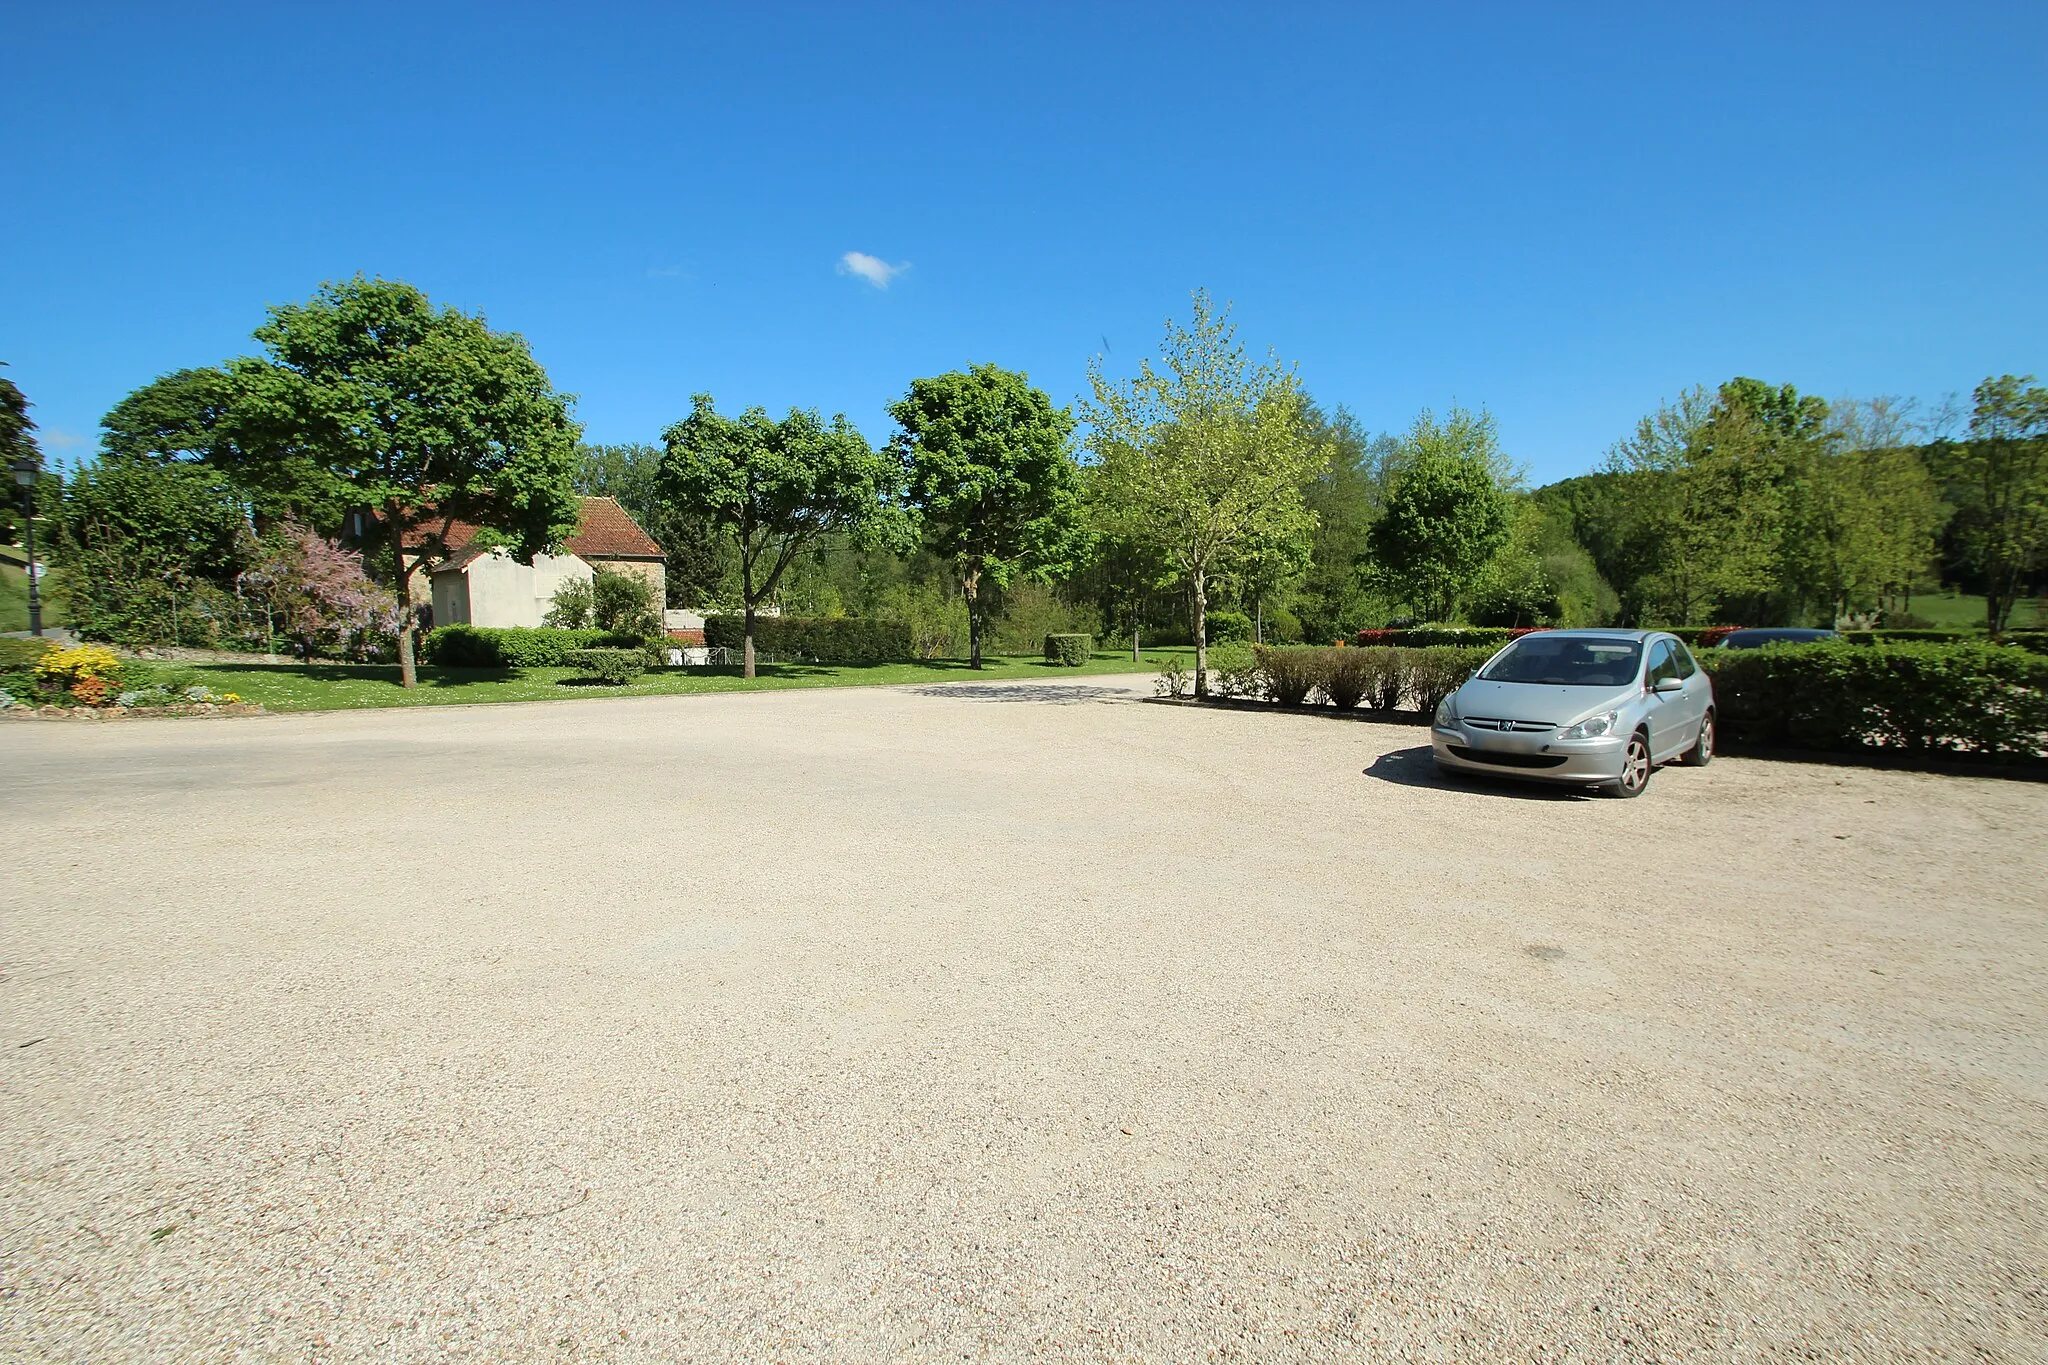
x: 1002, y: 1023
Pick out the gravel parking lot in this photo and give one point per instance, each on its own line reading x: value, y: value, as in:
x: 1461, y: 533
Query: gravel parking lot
x: 1005, y: 1022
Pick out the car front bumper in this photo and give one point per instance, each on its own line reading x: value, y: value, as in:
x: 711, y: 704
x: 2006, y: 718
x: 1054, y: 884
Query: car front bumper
x: 1540, y: 758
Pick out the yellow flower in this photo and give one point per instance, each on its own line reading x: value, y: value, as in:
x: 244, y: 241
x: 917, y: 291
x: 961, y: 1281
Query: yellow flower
x: 69, y: 667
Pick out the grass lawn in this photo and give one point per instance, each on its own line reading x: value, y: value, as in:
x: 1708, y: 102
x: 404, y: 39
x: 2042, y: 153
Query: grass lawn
x: 1965, y: 611
x: 14, y: 595
x: 338, y: 687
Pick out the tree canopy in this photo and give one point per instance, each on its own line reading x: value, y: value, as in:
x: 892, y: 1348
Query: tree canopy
x: 778, y: 488
x: 990, y: 472
x: 1446, y: 515
x: 369, y: 394
x: 1203, y: 456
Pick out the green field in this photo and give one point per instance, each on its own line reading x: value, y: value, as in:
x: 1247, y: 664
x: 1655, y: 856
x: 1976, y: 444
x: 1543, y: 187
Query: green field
x: 14, y: 596
x: 339, y: 687
x: 1965, y: 611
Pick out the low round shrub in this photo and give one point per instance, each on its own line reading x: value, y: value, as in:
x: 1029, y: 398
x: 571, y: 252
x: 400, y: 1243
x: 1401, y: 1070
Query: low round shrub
x: 1069, y: 651
x: 1222, y: 627
x: 612, y: 666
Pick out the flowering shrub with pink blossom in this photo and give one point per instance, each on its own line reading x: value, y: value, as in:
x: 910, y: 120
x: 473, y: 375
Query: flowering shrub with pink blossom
x: 318, y: 596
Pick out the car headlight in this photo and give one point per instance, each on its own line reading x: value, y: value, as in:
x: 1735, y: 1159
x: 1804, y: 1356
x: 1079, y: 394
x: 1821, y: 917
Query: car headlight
x: 1592, y: 727
x: 1446, y: 714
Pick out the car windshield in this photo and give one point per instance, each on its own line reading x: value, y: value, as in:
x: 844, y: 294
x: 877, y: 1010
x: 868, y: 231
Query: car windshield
x: 1569, y: 661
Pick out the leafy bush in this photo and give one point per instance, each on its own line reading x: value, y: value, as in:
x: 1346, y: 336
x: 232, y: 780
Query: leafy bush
x: 826, y: 640
x: 68, y: 669
x: 1223, y: 627
x: 1386, y: 677
x: 1175, y: 678
x: 610, y: 665
x: 573, y: 606
x: 1436, y: 672
x: 1283, y: 627
x: 514, y: 646
x: 1236, y: 669
x: 1918, y: 697
x: 1346, y: 676
x: 1069, y: 651
x: 23, y: 653
x: 1290, y: 672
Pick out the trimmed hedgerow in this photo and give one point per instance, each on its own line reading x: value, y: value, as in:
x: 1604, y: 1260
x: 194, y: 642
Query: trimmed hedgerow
x: 1916, y: 697
x: 1420, y: 637
x: 1388, y: 679
x: 514, y: 646
x: 825, y: 640
x: 1069, y: 651
x: 1289, y: 673
x: 609, y: 665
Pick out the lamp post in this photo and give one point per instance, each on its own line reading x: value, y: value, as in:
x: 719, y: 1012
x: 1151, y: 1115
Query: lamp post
x: 26, y: 471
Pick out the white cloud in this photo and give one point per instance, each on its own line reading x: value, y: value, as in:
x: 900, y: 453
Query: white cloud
x: 873, y: 269
x: 58, y: 439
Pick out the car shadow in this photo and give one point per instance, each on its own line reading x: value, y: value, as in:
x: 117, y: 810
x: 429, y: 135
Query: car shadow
x: 1416, y: 767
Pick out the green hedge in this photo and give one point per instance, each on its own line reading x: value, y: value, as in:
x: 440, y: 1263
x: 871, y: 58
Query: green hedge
x: 515, y: 646
x: 1226, y: 626
x: 1383, y: 678
x: 1916, y: 697
x: 1421, y: 637
x: 609, y: 664
x: 1069, y: 651
x: 825, y: 640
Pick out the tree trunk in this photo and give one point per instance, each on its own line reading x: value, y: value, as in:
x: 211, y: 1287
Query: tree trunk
x: 1134, y: 642
x: 747, y: 641
x: 970, y: 588
x: 1201, y: 635
x: 1259, y: 619
x: 401, y: 585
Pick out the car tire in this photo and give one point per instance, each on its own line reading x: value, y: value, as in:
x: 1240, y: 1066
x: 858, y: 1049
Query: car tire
x: 1702, y: 751
x: 1636, y: 767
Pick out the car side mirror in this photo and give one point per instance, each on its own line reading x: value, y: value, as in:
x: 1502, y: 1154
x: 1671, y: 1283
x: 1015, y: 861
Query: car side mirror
x: 1669, y: 685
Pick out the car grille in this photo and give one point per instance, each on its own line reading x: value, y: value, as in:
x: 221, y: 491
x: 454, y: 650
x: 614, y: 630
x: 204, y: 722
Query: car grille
x: 1507, y: 760
x: 1509, y: 727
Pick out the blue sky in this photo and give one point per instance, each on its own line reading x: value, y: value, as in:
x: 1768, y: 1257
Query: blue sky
x: 1563, y: 213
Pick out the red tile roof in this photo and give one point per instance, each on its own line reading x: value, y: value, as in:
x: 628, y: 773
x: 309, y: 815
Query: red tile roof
x: 606, y: 531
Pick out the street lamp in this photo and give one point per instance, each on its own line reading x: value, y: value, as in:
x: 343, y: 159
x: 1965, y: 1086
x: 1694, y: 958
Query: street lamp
x: 26, y: 471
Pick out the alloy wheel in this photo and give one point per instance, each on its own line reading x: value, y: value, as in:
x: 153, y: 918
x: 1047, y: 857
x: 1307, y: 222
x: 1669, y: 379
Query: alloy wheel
x: 1635, y: 767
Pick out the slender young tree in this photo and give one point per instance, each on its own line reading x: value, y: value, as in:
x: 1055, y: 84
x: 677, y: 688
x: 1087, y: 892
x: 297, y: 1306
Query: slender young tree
x: 1204, y: 456
x: 370, y: 394
x: 778, y: 489
x: 992, y: 476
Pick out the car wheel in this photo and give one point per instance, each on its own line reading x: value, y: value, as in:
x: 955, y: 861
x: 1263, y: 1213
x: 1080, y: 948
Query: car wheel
x: 1635, y: 767
x: 1702, y: 751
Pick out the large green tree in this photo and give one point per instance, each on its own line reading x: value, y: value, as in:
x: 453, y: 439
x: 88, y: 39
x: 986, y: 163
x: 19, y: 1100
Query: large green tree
x: 1706, y: 504
x: 1998, y: 479
x: 1447, y: 514
x: 991, y: 474
x: 1205, y: 455
x: 17, y: 439
x: 370, y: 394
x: 777, y: 489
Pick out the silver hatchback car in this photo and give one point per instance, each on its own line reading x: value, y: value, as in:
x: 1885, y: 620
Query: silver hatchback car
x: 1596, y: 707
